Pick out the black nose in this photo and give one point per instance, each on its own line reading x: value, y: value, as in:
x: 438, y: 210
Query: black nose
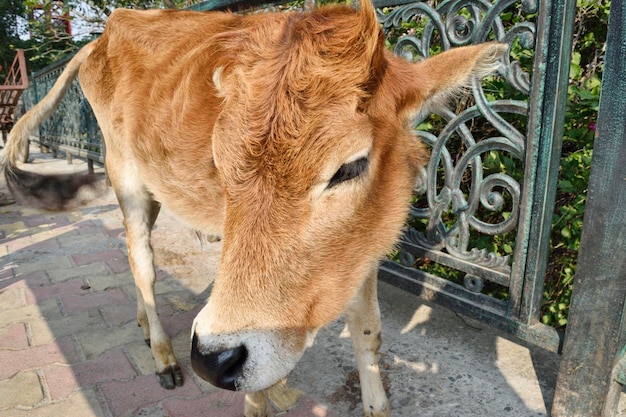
x: 221, y: 368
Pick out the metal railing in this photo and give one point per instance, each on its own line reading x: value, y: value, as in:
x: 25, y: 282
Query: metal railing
x: 72, y: 128
x: 464, y: 205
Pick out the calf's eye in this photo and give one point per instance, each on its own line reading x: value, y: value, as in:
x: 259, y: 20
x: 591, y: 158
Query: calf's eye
x: 349, y: 171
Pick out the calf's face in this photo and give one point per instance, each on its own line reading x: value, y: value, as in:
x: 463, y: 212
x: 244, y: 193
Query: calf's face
x: 317, y: 166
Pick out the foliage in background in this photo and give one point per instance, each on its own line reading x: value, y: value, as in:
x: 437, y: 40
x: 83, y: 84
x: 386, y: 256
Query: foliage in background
x: 9, y: 33
x: 44, y: 37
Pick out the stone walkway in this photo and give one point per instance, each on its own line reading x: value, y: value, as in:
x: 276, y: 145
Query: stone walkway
x: 70, y: 345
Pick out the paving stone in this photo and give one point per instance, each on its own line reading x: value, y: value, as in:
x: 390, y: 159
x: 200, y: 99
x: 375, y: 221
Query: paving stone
x: 49, y: 219
x: 11, y: 298
x: 181, y: 343
x: 119, y: 315
x: 62, y: 380
x: 151, y: 411
x: 174, y: 324
x: 6, y: 273
x: 22, y: 390
x: 15, y: 230
x: 95, y: 342
x: 168, y: 284
x: 66, y: 273
x: 56, y: 231
x: 104, y: 282
x: 46, y: 330
x: 60, y: 351
x: 164, y: 308
x: 140, y: 355
x: 217, y: 404
x: 61, y: 262
x: 118, y: 265
x: 100, y: 256
x: 13, y: 337
x: 229, y: 404
x: 183, y: 300
x: 49, y: 309
x: 308, y: 407
x: 28, y: 211
x: 77, y: 302
x: 82, y: 223
x: 35, y: 293
x: 27, y: 248
x: 36, y: 278
x: 99, y: 210
x: 82, y: 403
x: 124, y: 397
x: 87, y: 240
x: 9, y: 215
x: 116, y: 232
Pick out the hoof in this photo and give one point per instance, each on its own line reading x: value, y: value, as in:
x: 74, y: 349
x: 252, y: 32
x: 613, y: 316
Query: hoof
x: 171, y: 377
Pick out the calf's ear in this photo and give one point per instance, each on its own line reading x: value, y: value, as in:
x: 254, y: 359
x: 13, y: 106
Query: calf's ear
x: 437, y: 79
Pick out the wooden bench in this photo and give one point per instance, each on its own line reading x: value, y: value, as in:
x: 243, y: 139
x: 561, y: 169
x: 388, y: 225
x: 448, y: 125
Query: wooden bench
x: 15, y: 83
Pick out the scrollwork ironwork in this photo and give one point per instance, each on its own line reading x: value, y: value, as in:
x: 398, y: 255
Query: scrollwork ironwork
x: 463, y: 22
x: 456, y: 188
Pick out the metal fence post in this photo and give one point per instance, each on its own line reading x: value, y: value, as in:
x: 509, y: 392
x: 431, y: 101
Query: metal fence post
x: 586, y: 384
x: 547, y: 113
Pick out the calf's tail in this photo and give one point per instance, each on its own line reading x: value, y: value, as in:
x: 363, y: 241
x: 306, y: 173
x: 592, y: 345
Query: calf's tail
x: 50, y: 192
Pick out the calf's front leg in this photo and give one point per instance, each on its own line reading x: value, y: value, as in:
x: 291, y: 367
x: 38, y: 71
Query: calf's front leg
x: 257, y: 404
x: 364, y: 324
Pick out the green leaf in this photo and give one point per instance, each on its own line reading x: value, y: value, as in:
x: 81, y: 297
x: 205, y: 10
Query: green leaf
x: 574, y: 71
x: 566, y: 232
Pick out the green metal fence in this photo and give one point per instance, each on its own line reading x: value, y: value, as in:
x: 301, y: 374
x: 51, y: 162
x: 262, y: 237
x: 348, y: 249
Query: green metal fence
x: 72, y: 128
x: 464, y: 206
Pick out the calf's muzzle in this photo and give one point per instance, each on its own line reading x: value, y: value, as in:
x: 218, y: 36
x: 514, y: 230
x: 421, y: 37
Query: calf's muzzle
x: 221, y: 368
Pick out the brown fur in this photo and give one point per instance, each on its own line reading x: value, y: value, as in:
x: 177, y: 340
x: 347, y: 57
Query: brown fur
x: 238, y: 124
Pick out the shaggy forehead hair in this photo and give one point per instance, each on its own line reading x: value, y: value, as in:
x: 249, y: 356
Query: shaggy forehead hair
x: 288, y: 78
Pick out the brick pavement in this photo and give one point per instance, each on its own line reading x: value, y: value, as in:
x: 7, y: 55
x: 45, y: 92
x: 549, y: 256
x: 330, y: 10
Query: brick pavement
x: 69, y: 342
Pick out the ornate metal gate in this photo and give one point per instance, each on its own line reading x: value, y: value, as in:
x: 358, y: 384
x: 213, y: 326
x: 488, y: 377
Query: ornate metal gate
x: 492, y: 174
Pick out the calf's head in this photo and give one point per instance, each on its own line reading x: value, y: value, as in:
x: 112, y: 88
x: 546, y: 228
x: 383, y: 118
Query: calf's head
x: 317, y: 165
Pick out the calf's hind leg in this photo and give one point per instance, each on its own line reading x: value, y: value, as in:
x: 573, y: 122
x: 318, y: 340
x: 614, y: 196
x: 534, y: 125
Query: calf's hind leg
x: 363, y: 319
x: 140, y: 212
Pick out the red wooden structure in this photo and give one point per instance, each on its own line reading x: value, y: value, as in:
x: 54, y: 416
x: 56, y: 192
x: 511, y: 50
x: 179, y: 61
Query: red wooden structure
x: 15, y: 83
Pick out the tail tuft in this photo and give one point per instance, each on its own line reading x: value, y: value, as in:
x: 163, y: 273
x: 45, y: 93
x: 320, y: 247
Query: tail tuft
x: 49, y: 192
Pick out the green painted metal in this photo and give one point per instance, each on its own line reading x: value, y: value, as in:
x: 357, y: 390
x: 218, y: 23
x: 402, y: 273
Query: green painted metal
x: 545, y: 131
x: 596, y: 330
x: 72, y: 127
x: 231, y: 4
x: 620, y: 368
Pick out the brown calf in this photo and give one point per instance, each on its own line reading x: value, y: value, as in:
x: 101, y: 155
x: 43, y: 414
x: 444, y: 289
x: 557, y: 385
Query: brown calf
x: 287, y: 134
